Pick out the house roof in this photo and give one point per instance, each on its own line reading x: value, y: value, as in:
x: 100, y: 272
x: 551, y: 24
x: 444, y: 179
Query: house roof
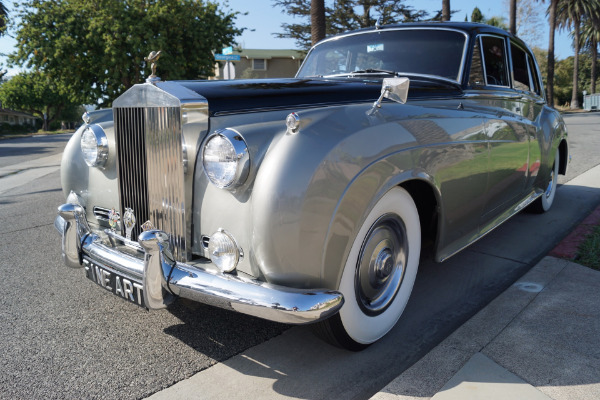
x: 15, y: 113
x: 270, y: 54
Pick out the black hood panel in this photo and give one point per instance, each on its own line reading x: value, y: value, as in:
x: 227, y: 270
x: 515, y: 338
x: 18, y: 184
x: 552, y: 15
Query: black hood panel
x: 255, y: 94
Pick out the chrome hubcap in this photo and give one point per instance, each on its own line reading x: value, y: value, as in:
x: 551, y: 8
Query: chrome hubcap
x: 380, y: 267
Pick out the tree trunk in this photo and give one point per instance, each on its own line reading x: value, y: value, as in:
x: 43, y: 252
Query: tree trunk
x: 513, y: 17
x: 594, y: 59
x: 317, y: 20
x: 445, y: 10
x: 574, y: 100
x: 550, y: 78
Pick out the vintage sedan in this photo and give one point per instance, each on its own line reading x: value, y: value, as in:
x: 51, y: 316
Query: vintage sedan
x: 307, y: 200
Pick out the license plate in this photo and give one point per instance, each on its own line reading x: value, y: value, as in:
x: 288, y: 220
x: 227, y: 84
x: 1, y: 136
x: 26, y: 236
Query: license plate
x: 115, y: 283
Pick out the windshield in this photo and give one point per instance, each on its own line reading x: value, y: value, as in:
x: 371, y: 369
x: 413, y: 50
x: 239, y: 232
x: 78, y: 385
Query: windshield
x: 437, y: 52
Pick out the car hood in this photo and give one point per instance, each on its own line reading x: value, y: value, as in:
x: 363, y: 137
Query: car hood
x: 232, y: 96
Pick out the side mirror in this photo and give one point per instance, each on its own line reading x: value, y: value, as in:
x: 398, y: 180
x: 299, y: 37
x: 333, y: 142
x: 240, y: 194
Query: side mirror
x: 395, y: 89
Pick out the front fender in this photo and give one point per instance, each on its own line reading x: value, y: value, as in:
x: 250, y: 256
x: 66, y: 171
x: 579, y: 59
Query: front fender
x: 314, y: 188
x: 95, y: 186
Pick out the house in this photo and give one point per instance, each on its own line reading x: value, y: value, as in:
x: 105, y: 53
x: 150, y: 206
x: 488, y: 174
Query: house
x: 259, y: 63
x: 16, y: 117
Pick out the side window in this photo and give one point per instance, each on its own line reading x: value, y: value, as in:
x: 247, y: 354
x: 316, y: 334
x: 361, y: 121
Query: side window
x: 536, y: 87
x: 494, y: 61
x: 476, y: 74
x: 520, y: 68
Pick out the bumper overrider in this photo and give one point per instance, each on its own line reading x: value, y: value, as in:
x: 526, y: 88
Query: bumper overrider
x: 157, y: 280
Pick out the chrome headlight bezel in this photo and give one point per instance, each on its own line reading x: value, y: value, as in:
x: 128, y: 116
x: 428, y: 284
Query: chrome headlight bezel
x: 97, y: 157
x: 239, y: 155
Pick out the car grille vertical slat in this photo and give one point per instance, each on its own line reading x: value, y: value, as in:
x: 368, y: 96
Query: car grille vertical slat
x: 129, y: 127
x: 151, y: 176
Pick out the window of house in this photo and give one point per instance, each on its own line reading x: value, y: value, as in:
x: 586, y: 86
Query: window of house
x: 259, y: 64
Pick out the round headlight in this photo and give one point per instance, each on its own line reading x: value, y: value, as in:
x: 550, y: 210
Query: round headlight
x: 94, y: 146
x: 223, y: 251
x: 225, y: 158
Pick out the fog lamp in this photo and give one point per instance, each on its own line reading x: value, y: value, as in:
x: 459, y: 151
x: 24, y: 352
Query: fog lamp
x: 223, y: 251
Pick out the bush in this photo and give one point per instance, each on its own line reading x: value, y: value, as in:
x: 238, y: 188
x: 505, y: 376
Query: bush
x: 6, y: 128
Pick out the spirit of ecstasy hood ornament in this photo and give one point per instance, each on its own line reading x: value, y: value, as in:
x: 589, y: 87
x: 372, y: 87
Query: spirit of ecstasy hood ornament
x: 153, y: 58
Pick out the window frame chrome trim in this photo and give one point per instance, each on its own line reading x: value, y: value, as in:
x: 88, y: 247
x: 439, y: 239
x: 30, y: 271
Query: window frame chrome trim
x: 507, y: 56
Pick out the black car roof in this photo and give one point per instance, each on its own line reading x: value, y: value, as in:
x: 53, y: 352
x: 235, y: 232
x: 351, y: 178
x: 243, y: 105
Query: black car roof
x: 468, y: 27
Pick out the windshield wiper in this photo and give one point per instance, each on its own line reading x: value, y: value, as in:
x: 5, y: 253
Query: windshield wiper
x: 373, y: 71
x: 363, y: 72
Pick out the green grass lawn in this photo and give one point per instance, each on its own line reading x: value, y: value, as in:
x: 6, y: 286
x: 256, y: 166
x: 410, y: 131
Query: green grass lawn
x: 589, y: 251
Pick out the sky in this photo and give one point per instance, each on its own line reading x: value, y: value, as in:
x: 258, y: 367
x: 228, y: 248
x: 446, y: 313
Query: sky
x: 264, y: 19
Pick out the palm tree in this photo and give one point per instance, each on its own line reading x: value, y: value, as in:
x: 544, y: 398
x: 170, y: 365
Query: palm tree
x: 445, y: 10
x: 590, y: 37
x: 550, y: 79
x: 569, y: 14
x: 513, y: 17
x: 317, y: 20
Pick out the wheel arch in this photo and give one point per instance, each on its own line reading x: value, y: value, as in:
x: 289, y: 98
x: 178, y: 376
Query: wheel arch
x: 563, y: 148
x: 346, y: 222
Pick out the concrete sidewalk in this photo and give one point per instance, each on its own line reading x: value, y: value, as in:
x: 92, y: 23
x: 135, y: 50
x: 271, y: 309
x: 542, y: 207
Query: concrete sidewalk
x: 537, y: 340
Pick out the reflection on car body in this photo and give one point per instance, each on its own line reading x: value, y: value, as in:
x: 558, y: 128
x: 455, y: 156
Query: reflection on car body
x: 306, y: 200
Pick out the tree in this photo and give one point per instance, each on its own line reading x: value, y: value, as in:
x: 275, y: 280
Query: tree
x: 3, y: 17
x: 36, y: 93
x: 552, y: 21
x: 569, y: 14
x: 496, y: 21
x: 512, y: 20
x: 529, y: 21
x: 97, y: 48
x: 445, y: 10
x: 476, y: 15
x: 344, y: 15
x: 317, y: 21
x: 589, y: 39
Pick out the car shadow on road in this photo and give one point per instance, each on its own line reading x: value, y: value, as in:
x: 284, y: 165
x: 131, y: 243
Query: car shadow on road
x: 297, y: 364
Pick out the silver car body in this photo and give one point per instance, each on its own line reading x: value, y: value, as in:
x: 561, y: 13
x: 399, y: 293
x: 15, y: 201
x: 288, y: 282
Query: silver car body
x: 470, y: 156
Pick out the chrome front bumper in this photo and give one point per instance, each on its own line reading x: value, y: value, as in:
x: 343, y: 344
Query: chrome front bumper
x: 164, y: 279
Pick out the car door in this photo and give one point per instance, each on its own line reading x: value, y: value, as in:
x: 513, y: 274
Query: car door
x: 526, y: 82
x: 506, y: 130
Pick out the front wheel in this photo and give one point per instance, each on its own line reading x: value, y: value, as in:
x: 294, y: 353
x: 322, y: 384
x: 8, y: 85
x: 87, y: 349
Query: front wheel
x: 544, y: 202
x: 379, y: 273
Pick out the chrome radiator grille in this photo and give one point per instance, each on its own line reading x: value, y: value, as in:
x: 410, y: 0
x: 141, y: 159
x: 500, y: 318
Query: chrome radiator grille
x: 150, y: 168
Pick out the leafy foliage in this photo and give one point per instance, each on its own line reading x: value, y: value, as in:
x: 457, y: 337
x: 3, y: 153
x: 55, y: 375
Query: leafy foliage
x: 3, y: 17
x: 37, y: 94
x: 96, y: 49
x: 344, y: 15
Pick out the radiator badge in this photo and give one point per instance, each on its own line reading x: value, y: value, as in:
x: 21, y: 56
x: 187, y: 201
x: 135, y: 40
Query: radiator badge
x: 129, y: 222
x: 147, y: 226
x: 113, y: 219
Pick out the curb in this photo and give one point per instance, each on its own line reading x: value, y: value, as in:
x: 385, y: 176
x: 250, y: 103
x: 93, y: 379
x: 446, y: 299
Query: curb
x: 568, y: 247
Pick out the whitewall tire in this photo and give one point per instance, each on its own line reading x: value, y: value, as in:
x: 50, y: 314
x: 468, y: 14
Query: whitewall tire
x: 379, y: 273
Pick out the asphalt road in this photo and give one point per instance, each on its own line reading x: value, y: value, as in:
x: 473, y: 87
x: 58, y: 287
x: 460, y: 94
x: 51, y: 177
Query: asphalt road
x: 64, y: 337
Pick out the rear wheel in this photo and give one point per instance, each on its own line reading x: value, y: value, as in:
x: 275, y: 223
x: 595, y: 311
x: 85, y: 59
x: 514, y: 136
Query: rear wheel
x: 379, y: 274
x: 544, y: 202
